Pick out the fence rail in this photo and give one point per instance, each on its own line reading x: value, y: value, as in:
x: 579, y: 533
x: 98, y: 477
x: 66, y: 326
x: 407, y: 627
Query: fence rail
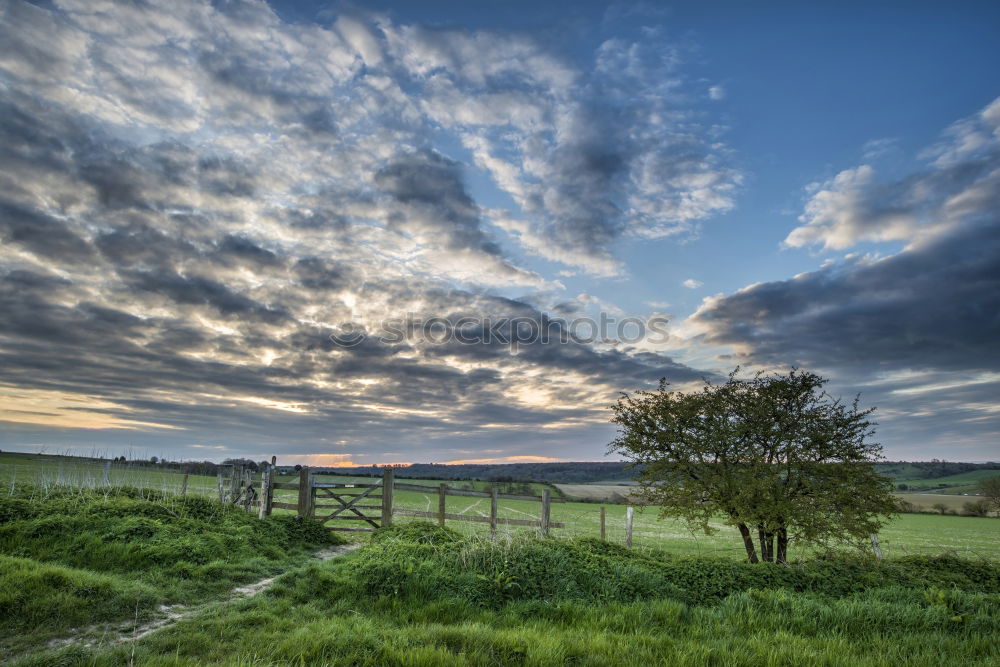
x: 314, y: 497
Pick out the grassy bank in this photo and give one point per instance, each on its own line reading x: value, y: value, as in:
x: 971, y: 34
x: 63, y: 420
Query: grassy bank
x: 420, y: 595
x: 71, y: 557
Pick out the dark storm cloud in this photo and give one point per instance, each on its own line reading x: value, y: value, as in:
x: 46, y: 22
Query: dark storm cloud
x: 936, y: 306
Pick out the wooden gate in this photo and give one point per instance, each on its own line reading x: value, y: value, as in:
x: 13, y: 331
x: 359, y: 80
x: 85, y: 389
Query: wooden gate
x: 348, y: 502
x: 351, y: 502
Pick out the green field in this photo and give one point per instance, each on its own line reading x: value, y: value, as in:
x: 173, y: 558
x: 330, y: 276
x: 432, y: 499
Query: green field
x: 966, y: 482
x: 419, y: 595
x: 85, y: 567
x: 82, y: 472
x: 907, y: 534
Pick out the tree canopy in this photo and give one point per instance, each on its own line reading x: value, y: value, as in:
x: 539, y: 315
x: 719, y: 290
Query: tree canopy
x: 990, y: 487
x: 775, y: 455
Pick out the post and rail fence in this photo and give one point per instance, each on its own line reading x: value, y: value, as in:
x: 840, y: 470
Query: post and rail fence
x: 358, y: 502
x: 341, y: 506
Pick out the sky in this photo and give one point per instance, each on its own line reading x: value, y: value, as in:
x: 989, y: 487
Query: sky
x: 392, y: 232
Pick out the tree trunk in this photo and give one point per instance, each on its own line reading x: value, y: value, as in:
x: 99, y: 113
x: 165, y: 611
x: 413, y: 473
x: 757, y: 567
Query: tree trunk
x: 782, y: 545
x: 766, y: 544
x: 748, y: 542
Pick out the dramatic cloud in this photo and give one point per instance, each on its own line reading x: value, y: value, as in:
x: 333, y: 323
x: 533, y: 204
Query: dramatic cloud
x: 194, y: 197
x: 917, y: 327
x: 961, y: 182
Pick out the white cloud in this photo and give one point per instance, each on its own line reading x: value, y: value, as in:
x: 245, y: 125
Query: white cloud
x: 877, y: 148
x: 691, y: 283
x: 958, y: 182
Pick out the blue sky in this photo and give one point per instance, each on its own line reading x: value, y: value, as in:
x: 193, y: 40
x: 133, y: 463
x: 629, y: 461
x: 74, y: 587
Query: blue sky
x: 199, y: 199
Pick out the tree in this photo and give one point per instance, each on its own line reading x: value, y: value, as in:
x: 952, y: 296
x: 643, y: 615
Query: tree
x: 779, y: 458
x: 940, y: 507
x: 976, y: 508
x: 990, y: 488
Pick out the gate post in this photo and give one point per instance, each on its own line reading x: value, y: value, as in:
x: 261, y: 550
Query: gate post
x: 266, y: 493
x: 305, y: 492
x: 235, y: 483
x: 387, y: 484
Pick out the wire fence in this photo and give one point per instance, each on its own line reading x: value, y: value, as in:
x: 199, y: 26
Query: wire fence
x: 49, y: 472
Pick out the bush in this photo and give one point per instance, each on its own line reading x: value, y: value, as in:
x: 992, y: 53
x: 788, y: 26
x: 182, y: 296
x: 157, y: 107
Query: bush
x: 976, y: 508
x: 424, y: 562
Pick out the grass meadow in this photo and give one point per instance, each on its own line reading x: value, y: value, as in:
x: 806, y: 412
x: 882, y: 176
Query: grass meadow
x: 83, y: 569
x: 416, y: 594
x: 50, y: 471
x: 908, y: 534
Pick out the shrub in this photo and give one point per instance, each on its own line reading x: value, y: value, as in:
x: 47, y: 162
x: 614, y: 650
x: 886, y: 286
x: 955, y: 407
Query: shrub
x: 492, y: 574
x: 976, y: 508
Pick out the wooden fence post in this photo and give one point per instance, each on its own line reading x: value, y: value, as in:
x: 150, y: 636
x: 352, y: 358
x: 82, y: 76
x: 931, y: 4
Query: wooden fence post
x: 305, y: 492
x: 546, y: 508
x: 629, y: 513
x: 313, y: 492
x: 387, y: 483
x: 442, y: 502
x: 603, y: 533
x: 235, y: 483
x: 218, y: 483
x: 266, y: 493
x: 184, y: 485
x: 493, y: 512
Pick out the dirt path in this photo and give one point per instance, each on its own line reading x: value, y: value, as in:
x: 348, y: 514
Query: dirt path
x: 128, y: 631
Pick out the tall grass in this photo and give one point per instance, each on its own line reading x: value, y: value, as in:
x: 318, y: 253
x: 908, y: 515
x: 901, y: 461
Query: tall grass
x: 72, y: 555
x: 422, y: 595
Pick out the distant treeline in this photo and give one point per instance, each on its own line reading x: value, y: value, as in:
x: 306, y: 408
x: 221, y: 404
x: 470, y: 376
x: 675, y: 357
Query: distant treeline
x: 935, y: 468
x: 192, y: 467
x: 582, y: 472
x: 588, y: 472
